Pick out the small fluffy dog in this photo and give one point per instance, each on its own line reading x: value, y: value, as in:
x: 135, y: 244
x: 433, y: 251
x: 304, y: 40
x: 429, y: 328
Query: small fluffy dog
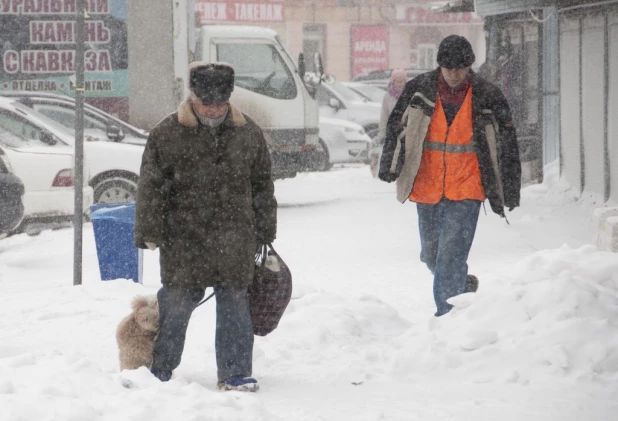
x: 136, y: 333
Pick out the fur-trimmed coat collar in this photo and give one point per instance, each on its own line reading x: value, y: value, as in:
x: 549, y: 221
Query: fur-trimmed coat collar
x: 187, y: 117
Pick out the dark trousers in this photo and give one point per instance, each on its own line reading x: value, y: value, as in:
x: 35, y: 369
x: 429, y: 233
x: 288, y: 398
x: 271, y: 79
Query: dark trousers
x: 447, y: 231
x: 234, y: 331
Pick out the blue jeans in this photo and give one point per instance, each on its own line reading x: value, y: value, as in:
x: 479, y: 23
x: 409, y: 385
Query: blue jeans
x: 447, y: 231
x: 234, y: 330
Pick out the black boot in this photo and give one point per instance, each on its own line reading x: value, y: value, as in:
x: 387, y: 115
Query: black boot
x: 472, y: 284
x: 162, y: 375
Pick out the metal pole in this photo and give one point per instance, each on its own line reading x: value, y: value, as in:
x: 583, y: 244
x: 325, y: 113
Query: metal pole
x: 606, y: 87
x: 582, y: 149
x: 79, y: 145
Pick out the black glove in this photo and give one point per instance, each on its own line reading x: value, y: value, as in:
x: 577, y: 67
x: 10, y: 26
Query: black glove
x: 262, y: 240
x: 387, y: 176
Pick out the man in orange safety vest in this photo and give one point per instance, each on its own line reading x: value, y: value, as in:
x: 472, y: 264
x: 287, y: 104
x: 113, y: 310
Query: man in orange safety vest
x: 450, y: 145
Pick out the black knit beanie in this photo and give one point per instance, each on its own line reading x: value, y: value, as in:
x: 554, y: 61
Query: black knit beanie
x: 455, y: 52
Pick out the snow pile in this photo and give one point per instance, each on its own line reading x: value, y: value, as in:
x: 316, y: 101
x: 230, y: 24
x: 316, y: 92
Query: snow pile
x: 335, y: 338
x: 57, y: 349
x: 358, y: 340
x: 551, y: 214
x: 65, y: 388
x: 553, y: 314
x: 314, y: 189
x: 553, y: 190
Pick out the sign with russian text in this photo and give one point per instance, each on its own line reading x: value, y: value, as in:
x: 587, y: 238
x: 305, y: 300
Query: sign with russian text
x: 37, y: 49
x: 421, y: 15
x: 493, y: 7
x: 247, y: 12
x: 369, y: 45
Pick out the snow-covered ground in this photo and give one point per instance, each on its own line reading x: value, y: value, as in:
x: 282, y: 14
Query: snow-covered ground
x: 358, y: 341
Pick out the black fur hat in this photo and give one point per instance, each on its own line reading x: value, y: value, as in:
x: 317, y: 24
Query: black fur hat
x: 211, y: 82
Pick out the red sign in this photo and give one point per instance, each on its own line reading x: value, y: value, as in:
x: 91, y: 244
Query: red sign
x: 230, y: 11
x: 369, y: 48
x: 424, y: 16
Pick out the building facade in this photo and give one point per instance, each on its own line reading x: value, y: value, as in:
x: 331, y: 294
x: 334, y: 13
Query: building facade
x: 354, y: 36
x: 568, y: 54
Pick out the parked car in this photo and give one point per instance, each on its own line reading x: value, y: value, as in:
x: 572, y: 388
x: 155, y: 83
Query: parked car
x: 97, y: 123
x: 114, y: 165
x: 342, y: 142
x: 338, y: 101
x: 11, y: 192
x: 40, y: 155
x: 371, y: 92
x: 381, y: 78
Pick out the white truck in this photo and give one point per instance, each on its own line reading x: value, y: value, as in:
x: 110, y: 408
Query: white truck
x: 270, y: 88
x: 136, y: 66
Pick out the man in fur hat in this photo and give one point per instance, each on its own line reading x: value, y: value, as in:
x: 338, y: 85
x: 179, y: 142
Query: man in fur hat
x: 451, y: 144
x: 206, y: 199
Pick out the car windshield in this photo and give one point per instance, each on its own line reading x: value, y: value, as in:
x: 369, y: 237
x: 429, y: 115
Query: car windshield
x: 22, y: 128
x: 372, y: 93
x: 16, y: 133
x: 125, y: 126
x: 55, y: 125
x: 12, y: 139
x: 94, y: 118
x: 346, y: 93
x: 259, y: 68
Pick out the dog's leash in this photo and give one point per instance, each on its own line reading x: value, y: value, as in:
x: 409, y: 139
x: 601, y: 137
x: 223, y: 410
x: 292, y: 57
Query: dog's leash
x: 260, y: 255
x: 205, y: 299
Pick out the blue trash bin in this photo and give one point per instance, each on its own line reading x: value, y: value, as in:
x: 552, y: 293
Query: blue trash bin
x: 113, y: 225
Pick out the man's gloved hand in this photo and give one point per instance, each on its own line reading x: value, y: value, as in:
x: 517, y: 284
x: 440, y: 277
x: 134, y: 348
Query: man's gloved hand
x: 511, y: 208
x: 151, y: 246
x: 259, y: 242
x: 387, y: 176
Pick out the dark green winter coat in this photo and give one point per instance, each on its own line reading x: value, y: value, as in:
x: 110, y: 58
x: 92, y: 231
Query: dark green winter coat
x: 205, y: 197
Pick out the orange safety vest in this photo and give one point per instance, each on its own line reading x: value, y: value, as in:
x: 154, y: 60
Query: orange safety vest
x: 449, y: 166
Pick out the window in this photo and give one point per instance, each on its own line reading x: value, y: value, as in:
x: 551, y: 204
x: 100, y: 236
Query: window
x: 66, y: 117
x: 427, y: 56
x: 370, y: 92
x: 346, y: 93
x: 17, y: 132
x: 259, y: 68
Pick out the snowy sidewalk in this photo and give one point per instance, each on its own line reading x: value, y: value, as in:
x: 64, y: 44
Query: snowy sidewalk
x: 358, y: 342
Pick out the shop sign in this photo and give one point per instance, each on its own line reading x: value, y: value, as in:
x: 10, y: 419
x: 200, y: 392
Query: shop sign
x: 493, y: 7
x: 38, y: 51
x: 419, y: 15
x: 369, y: 45
x: 257, y: 12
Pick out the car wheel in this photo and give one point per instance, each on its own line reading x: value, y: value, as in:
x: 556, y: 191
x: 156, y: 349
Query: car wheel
x: 323, y: 159
x: 115, y: 190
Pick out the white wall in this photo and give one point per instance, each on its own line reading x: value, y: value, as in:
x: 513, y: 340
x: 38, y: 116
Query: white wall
x: 569, y: 101
x: 151, y: 62
x: 613, y: 105
x: 593, y: 44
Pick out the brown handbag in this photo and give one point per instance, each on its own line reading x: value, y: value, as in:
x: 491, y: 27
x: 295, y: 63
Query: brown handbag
x: 271, y: 291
